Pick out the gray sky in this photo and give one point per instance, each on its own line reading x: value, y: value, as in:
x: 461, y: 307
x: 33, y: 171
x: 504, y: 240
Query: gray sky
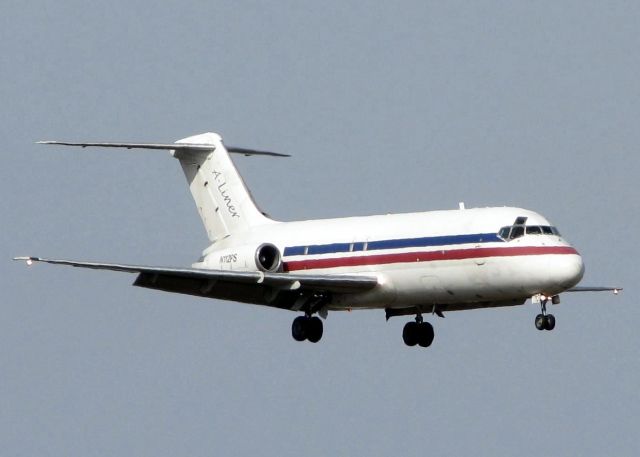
x: 411, y: 106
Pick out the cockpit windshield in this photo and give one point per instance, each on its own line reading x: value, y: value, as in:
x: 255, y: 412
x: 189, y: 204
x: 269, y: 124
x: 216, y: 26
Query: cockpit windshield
x: 516, y: 231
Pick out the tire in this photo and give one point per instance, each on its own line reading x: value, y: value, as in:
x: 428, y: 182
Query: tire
x: 314, y: 329
x: 410, y: 333
x: 540, y: 322
x: 425, y: 335
x: 550, y: 322
x: 299, y: 328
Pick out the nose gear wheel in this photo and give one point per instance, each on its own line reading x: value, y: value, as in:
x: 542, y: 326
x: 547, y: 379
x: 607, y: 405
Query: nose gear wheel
x: 543, y: 320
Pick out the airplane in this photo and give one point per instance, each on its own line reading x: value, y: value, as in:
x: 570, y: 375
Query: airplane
x: 407, y: 264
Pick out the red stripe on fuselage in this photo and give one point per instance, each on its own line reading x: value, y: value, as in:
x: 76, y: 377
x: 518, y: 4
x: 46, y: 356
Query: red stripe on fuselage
x: 427, y: 256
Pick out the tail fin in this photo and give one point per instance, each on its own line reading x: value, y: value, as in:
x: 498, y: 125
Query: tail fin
x: 223, y: 201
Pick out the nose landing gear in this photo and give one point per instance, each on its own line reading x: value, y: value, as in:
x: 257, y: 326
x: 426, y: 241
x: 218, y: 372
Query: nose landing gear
x: 543, y: 320
x: 418, y: 332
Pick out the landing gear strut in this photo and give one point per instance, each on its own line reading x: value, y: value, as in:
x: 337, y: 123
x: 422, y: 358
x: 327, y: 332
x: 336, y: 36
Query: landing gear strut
x: 418, y: 332
x: 307, y: 328
x: 543, y: 320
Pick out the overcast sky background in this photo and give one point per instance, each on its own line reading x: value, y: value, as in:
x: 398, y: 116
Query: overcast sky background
x: 385, y: 108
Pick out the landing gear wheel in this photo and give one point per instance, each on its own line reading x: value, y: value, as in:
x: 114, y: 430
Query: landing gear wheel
x: 540, y: 322
x: 410, y: 333
x: 425, y: 336
x: 314, y: 329
x: 307, y: 328
x: 549, y: 322
x: 299, y: 328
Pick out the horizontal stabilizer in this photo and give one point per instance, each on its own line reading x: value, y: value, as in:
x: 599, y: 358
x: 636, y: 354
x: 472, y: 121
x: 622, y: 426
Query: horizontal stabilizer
x: 169, y: 147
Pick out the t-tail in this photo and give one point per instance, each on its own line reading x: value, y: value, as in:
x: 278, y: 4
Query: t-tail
x: 223, y: 200
x: 224, y: 203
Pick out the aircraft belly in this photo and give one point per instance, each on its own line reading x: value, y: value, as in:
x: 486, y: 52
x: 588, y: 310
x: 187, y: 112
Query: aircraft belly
x: 459, y: 282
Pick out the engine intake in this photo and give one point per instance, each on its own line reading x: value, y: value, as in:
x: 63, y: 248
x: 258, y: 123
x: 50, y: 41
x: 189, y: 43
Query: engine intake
x: 268, y: 258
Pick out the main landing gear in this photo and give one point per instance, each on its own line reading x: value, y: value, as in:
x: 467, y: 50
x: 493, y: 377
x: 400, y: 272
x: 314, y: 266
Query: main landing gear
x: 307, y: 328
x: 418, y: 332
x: 543, y: 320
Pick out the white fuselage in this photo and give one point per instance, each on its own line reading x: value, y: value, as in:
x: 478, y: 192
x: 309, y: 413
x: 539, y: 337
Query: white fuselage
x: 439, y: 258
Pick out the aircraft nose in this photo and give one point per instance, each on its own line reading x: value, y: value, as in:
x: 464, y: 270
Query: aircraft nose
x: 571, y: 270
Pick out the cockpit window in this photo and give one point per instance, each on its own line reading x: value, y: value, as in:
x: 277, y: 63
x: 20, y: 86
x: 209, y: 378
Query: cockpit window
x: 516, y: 231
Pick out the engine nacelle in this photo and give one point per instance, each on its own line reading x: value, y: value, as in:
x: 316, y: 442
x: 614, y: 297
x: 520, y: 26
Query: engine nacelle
x: 268, y: 258
x: 264, y: 257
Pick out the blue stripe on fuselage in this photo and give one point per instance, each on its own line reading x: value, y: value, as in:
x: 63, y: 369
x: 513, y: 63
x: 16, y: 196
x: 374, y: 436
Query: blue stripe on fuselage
x: 393, y: 244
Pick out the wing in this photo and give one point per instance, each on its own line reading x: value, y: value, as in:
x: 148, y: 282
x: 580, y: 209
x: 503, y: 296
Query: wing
x: 615, y: 290
x: 281, y: 290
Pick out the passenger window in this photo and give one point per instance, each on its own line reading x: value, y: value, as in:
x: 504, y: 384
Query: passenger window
x: 517, y: 232
x: 534, y: 230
